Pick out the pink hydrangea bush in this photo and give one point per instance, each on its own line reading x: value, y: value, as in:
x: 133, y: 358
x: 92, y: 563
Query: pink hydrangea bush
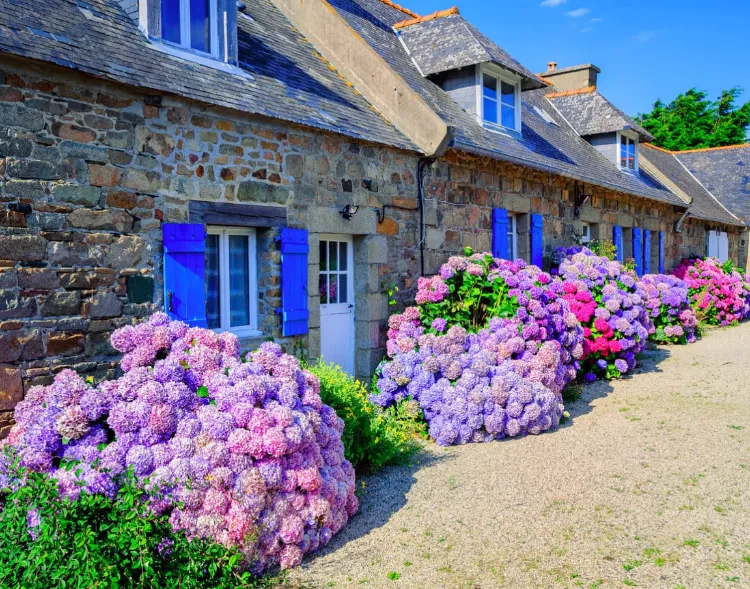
x: 242, y: 453
x: 668, y: 303
x: 611, y: 308
x: 719, y: 296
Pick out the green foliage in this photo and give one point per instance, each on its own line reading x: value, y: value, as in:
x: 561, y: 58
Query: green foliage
x: 628, y: 265
x: 572, y: 392
x: 391, y: 289
x: 100, y: 542
x: 473, y: 299
x: 604, y: 247
x: 693, y: 121
x: 372, y: 437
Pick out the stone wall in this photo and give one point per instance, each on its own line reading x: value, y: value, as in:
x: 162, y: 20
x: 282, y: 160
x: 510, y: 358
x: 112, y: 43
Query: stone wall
x: 89, y: 171
x: 461, y: 191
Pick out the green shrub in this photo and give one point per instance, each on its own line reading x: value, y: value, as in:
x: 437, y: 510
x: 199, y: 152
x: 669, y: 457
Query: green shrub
x: 604, y: 247
x: 372, y: 437
x: 94, y: 541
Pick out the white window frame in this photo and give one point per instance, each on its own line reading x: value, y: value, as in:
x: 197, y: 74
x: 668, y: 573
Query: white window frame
x: 501, y: 76
x: 224, y: 316
x: 185, y: 47
x: 513, y: 234
x: 585, y: 233
x: 633, y: 138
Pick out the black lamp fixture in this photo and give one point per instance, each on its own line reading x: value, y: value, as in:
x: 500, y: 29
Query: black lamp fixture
x: 349, y: 211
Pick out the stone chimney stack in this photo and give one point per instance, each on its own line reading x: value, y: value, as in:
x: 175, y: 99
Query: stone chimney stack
x: 576, y: 77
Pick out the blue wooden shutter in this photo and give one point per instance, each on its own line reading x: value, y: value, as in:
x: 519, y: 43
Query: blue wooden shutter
x: 638, y: 250
x: 617, y: 240
x: 184, y: 272
x: 294, y: 250
x: 661, y: 252
x: 500, y: 233
x: 537, y: 239
x: 646, y: 251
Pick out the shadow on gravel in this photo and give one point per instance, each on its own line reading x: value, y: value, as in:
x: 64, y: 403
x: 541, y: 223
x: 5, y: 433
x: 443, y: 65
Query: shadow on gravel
x: 648, y: 361
x: 383, y: 495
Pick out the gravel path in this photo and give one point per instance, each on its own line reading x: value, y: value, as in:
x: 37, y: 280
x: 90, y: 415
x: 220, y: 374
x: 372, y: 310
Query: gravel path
x: 648, y: 485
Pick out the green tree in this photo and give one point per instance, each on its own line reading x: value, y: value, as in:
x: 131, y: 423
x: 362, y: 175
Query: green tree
x: 693, y: 121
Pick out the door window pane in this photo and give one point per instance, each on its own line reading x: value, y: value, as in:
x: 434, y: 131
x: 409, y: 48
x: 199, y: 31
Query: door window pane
x: 343, y: 253
x: 323, y: 256
x: 323, y: 289
x: 200, y: 25
x: 333, y: 256
x: 239, y: 281
x: 343, y: 285
x: 333, y: 288
x: 170, y: 21
x: 213, y: 294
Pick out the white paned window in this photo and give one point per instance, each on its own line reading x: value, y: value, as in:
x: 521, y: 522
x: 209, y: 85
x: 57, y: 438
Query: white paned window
x: 512, y: 237
x: 191, y: 25
x: 585, y: 234
x: 628, y: 153
x: 231, y: 280
x: 500, y: 100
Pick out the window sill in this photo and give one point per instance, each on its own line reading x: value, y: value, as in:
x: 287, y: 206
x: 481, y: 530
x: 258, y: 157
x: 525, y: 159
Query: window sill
x: 202, y: 59
x: 241, y: 332
x: 500, y: 129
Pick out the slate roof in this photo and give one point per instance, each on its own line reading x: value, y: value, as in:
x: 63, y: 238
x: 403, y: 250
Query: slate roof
x: 284, y: 77
x: 703, y: 204
x: 541, y: 145
x: 590, y: 114
x: 725, y: 172
x: 451, y: 42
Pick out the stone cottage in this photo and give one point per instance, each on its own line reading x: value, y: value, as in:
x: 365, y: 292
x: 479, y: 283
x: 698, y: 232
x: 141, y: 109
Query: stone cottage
x: 275, y: 167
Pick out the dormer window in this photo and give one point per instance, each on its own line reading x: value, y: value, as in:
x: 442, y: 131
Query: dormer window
x: 499, y: 100
x: 628, y: 152
x: 202, y: 31
x: 190, y: 24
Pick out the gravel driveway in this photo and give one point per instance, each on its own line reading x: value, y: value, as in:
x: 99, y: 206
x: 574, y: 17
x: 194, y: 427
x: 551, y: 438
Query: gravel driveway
x: 647, y: 485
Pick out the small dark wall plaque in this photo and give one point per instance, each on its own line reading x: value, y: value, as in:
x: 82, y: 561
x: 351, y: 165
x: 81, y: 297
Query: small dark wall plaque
x: 140, y: 289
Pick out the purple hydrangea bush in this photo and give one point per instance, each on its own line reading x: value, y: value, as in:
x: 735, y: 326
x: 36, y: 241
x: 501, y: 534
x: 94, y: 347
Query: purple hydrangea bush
x: 610, y: 305
x: 486, y: 353
x: 667, y: 301
x: 243, y: 453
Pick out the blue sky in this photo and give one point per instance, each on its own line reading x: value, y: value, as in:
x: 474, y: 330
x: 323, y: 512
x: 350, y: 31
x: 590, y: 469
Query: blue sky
x: 646, y: 49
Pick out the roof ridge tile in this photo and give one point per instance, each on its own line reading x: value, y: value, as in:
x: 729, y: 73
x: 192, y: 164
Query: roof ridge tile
x: 721, y: 147
x: 575, y: 92
x: 400, y: 8
x: 427, y: 17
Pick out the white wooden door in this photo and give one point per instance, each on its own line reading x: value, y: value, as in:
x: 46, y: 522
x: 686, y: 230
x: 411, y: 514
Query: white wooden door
x: 723, y: 247
x: 336, y: 287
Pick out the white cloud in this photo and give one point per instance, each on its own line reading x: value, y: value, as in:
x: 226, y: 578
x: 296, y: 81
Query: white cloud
x: 644, y: 36
x: 553, y: 3
x: 596, y: 20
x: 578, y: 12
x: 587, y: 30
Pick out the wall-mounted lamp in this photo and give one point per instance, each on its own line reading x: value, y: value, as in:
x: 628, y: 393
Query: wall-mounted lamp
x: 349, y: 211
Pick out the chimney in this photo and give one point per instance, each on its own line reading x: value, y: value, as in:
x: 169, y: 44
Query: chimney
x: 576, y: 77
